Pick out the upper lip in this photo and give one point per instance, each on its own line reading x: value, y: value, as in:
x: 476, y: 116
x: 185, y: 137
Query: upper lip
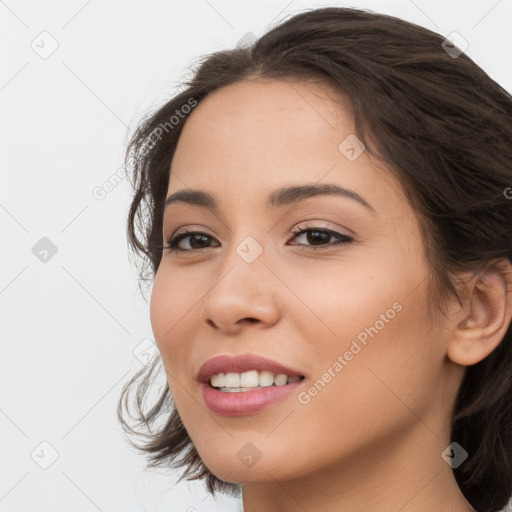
x: 241, y: 363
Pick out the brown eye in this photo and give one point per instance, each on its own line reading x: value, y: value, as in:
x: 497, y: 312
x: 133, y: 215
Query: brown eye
x: 318, y: 238
x: 197, y: 241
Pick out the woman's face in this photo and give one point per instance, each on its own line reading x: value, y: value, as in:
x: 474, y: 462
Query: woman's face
x: 350, y: 317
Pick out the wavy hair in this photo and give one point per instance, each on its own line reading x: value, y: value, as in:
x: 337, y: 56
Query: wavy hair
x: 439, y: 123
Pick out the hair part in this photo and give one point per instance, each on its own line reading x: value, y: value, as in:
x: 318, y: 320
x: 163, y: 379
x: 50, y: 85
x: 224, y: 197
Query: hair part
x: 441, y: 125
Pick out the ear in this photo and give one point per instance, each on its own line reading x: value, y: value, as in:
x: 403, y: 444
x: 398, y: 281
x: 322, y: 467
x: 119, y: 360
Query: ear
x: 480, y: 326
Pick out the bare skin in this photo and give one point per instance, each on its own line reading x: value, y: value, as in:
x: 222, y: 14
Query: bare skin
x: 372, y: 437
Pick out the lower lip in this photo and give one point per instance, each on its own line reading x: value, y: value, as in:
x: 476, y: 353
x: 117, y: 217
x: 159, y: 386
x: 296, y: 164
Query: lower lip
x: 245, y: 402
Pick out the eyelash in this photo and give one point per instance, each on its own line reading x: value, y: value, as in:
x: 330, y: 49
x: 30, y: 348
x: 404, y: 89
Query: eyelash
x: 172, y: 245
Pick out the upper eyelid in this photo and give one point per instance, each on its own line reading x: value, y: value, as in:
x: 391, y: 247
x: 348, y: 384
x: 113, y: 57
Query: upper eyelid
x: 297, y: 227
x: 189, y: 230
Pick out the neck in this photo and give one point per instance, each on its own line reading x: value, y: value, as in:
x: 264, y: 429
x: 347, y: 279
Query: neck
x: 406, y: 473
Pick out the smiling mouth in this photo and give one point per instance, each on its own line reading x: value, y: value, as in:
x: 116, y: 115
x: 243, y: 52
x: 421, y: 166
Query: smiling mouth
x: 240, y: 394
x: 250, y: 381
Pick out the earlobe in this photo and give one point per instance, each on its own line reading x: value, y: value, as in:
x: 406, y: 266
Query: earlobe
x: 481, y: 326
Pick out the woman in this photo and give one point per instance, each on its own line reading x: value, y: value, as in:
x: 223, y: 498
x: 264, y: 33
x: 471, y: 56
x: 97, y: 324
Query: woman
x: 328, y: 218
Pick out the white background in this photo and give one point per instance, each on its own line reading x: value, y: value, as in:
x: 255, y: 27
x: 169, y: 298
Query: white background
x: 69, y: 326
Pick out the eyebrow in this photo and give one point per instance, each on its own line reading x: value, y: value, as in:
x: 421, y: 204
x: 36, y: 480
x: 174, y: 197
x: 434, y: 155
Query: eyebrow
x: 280, y: 197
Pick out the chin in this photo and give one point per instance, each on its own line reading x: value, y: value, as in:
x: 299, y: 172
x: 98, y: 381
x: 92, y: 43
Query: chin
x: 250, y: 466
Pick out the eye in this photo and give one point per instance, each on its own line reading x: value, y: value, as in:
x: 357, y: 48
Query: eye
x: 319, y: 236
x: 198, y: 240
x: 316, y: 236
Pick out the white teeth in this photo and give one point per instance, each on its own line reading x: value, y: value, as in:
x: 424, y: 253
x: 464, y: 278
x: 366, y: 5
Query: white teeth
x: 266, y: 379
x: 234, y: 382
x: 249, y: 379
x: 214, y: 381
x: 280, y: 380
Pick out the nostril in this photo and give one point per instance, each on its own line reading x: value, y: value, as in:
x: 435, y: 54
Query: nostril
x: 248, y: 319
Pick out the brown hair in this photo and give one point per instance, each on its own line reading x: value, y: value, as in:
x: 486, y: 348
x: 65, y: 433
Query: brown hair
x: 440, y: 124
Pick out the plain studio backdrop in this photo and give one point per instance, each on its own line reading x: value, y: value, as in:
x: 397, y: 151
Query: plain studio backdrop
x: 75, y: 76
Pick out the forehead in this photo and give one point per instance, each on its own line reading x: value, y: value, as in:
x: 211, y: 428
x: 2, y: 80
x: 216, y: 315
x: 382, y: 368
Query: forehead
x: 257, y: 135
x: 271, y: 113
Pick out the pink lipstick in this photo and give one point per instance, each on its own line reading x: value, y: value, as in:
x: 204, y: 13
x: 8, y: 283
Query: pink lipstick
x: 245, y: 384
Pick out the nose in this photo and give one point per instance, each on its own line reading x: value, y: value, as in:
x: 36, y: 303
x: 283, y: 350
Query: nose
x: 244, y: 294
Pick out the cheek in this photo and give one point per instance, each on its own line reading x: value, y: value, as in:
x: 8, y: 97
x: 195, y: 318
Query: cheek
x: 171, y: 310
x: 373, y: 399
x: 378, y: 324
x: 376, y: 370
x: 361, y: 296
x: 161, y: 309
x: 343, y: 302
